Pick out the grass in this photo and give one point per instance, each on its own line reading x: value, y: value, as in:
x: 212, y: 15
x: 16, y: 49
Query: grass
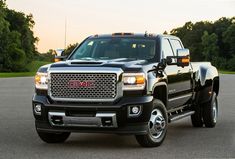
x: 226, y: 72
x: 32, y: 67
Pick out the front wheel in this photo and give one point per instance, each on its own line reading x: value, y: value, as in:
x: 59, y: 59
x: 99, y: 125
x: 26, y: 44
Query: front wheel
x: 157, y: 126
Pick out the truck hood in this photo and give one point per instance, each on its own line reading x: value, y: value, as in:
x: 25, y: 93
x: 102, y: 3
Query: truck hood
x: 123, y: 63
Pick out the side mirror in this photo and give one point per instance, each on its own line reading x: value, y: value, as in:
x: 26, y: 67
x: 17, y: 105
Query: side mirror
x: 60, y: 58
x: 182, y: 58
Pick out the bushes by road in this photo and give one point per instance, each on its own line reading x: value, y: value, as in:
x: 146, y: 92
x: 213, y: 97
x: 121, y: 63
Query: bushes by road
x: 32, y: 67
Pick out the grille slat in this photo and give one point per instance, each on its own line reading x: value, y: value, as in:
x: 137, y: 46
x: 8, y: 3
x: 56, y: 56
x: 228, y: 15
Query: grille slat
x: 103, y: 85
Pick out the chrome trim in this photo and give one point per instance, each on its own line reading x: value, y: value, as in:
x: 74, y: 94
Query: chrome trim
x: 180, y: 116
x: 82, y: 121
x: 157, y: 124
x: 180, y: 97
x: 112, y: 115
x: 215, y: 111
x: 85, y: 70
x: 117, y: 71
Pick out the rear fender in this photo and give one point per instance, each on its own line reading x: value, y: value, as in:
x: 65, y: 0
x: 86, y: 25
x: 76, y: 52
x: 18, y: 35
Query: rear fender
x: 206, y: 77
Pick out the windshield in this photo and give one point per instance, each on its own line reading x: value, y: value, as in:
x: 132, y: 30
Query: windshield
x: 113, y: 48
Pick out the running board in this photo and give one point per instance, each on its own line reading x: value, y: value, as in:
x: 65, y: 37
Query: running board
x: 180, y: 115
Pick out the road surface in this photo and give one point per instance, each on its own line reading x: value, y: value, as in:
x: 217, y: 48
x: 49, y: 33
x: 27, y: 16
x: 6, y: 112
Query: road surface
x: 18, y: 138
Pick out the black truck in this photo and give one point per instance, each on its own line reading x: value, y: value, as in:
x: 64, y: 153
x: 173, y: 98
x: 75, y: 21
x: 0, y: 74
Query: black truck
x: 124, y: 83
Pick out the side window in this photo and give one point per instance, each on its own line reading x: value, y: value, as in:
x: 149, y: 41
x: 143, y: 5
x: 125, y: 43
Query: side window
x: 176, y: 45
x: 166, y: 48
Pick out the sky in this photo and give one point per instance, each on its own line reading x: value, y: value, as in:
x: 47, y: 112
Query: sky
x: 89, y: 17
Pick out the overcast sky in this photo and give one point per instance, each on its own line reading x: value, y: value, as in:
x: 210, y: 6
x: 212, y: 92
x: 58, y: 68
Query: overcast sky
x: 88, y: 17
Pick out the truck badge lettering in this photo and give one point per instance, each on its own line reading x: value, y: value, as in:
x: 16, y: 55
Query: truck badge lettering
x: 79, y: 84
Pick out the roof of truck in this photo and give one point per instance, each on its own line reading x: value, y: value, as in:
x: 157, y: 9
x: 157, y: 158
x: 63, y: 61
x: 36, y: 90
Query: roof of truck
x: 139, y: 35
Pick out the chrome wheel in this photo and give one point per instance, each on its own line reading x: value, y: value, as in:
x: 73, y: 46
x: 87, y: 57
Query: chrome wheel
x: 210, y: 112
x: 157, y: 124
x: 215, y: 112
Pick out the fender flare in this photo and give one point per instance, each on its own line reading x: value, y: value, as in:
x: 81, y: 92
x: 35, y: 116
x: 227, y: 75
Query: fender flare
x: 205, y: 78
x: 163, y: 97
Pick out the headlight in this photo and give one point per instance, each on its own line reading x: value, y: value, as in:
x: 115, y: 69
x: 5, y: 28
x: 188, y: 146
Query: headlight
x: 41, y: 81
x: 133, y: 81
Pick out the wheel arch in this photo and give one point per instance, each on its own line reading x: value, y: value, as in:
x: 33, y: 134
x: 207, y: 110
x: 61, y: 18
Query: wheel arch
x: 216, y: 85
x: 160, y: 92
x: 207, y: 82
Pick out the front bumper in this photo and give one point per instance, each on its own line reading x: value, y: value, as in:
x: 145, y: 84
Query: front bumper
x: 125, y: 124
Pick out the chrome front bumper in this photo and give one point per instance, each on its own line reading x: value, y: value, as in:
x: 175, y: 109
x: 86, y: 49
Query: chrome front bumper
x: 106, y: 120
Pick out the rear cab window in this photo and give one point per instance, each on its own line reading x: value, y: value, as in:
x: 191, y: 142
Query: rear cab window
x: 166, y: 48
x: 176, y: 44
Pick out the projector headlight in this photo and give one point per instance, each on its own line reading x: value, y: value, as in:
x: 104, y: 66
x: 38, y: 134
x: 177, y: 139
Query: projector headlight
x: 133, y: 81
x: 41, y: 81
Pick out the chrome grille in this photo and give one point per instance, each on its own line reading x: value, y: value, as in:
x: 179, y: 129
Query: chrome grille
x: 104, y: 85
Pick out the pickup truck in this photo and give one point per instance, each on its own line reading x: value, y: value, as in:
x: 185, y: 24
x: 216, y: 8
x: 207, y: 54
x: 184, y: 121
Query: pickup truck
x: 124, y: 83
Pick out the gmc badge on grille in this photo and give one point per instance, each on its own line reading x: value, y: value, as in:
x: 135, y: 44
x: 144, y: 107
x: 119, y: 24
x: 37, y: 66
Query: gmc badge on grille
x: 79, y: 84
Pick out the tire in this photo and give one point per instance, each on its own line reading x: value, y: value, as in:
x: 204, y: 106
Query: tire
x: 196, y: 118
x: 157, y: 130
x: 53, y: 137
x: 210, y: 112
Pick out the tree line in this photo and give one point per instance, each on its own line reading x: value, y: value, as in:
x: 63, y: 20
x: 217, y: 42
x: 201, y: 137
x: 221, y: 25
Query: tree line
x: 210, y: 41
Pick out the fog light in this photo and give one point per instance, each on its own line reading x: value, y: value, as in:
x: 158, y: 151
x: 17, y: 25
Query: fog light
x: 38, y: 109
x: 134, y: 111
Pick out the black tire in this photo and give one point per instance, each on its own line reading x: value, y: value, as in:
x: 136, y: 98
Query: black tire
x: 53, y: 137
x: 149, y: 140
x: 210, y: 112
x: 196, y: 118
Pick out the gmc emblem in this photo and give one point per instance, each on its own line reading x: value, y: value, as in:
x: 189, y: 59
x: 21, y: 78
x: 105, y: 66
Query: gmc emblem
x: 79, y: 84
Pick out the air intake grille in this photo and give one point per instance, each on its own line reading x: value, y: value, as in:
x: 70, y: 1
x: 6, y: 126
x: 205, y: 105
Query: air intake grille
x: 83, y: 85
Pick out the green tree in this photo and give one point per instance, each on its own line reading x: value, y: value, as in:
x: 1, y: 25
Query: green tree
x: 231, y: 64
x: 23, y: 24
x: 16, y: 39
x: 229, y: 39
x: 12, y: 57
x: 219, y: 27
x: 191, y: 34
x: 210, y: 48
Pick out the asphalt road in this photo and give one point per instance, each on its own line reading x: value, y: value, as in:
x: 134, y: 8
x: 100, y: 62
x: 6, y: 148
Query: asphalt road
x: 18, y: 138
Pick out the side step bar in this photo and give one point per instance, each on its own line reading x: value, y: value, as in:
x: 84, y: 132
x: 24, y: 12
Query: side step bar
x: 180, y: 115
